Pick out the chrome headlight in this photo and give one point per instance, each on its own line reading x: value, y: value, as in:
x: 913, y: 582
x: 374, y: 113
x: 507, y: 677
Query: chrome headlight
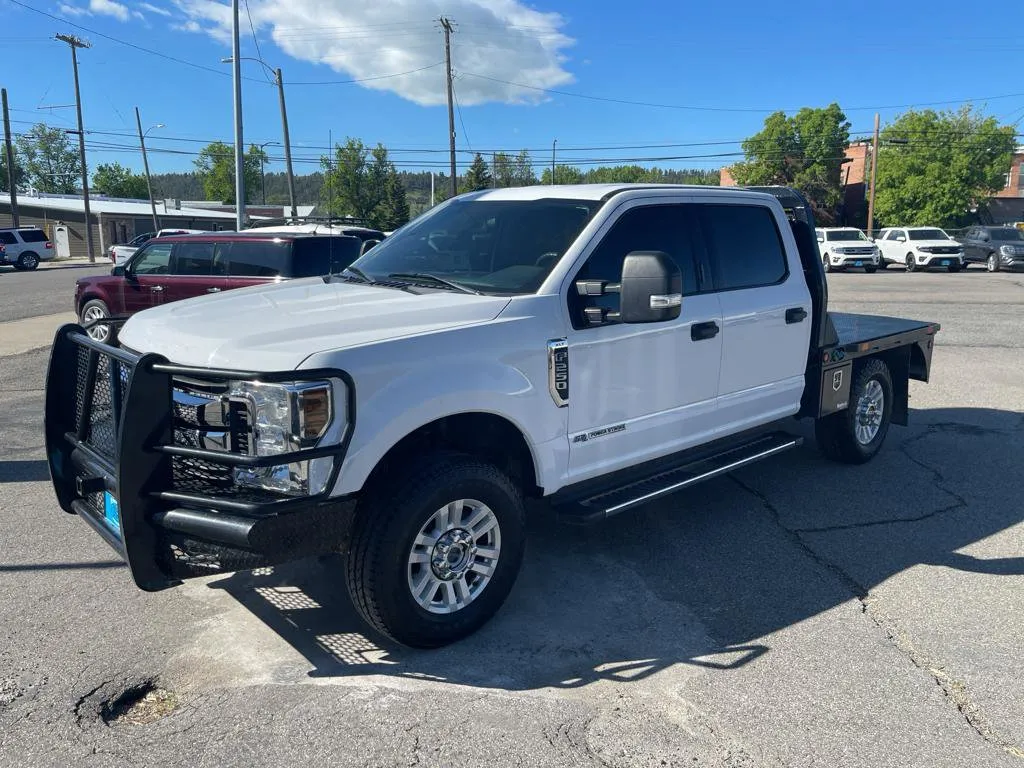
x: 925, y: 249
x: 284, y: 418
x: 838, y: 251
x: 1010, y: 250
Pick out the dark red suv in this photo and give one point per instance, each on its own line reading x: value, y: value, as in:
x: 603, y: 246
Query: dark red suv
x: 179, y: 267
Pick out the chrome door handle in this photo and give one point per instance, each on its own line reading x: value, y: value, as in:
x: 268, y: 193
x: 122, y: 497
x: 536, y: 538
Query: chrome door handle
x: 157, y: 288
x: 213, y: 290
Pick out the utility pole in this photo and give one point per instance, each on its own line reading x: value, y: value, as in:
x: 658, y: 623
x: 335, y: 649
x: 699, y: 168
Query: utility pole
x: 287, y: 146
x: 447, y: 25
x: 75, y: 43
x: 553, y: 145
x: 431, y: 189
x: 145, y: 164
x: 236, y: 73
x: 871, y: 192
x: 11, y: 172
x: 494, y: 170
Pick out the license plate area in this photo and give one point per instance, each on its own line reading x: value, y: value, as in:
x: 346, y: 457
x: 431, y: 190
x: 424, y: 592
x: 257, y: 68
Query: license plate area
x: 112, y: 513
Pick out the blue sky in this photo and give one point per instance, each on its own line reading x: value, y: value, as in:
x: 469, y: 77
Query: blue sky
x: 734, y: 61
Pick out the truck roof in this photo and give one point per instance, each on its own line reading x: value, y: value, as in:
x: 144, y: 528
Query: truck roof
x: 591, y: 191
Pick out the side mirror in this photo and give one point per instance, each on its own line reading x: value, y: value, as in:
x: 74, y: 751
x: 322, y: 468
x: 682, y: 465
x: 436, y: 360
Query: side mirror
x: 901, y: 239
x: 118, y: 271
x: 651, y: 288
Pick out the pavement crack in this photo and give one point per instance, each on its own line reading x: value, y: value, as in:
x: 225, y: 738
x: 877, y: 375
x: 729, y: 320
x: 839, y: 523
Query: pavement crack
x: 79, y: 715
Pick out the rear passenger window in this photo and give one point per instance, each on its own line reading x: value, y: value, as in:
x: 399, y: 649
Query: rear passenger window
x: 259, y: 258
x: 745, y: 246
x: 316, y: 256
x: 32, y: 235
x: 193, y: 259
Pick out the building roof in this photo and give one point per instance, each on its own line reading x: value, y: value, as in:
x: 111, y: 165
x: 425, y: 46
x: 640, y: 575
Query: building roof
x: 110, y: 205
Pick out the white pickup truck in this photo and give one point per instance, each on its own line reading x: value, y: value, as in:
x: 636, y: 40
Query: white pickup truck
x: 593, y: 346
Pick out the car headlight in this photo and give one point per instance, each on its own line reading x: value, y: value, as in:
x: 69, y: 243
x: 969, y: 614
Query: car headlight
x: 925, y: 249
x: 1010, y: 250
x: 838, y: 251
x: 284, y: 418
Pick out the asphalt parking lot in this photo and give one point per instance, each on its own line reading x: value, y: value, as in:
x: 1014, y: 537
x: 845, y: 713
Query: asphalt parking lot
x: 798, y: 613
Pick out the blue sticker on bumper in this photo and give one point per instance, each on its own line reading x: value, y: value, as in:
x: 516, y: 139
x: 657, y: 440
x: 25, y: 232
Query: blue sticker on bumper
x: 111, y: 513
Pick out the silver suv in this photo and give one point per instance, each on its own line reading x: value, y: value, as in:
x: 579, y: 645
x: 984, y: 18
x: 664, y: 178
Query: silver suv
x: 24, y: 247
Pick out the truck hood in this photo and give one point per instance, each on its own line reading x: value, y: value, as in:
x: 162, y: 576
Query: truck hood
x: 935, y: 244
x: 276, y: 327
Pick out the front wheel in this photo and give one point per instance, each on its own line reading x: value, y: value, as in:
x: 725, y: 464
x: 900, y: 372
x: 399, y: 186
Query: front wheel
x: 436, y: 550
x: 954, y: 267
x: 93, y: 313
x: 870, y: 270
x: 911, y: 263
x: 855, y: 435
x: 993, y: 263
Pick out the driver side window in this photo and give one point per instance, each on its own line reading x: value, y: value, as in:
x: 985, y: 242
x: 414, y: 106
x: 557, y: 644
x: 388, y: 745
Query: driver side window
x: 153, y: 260
x: 667, y: 228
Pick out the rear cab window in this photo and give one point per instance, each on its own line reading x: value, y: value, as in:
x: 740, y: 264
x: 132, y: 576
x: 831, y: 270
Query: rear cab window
x: 745, y: 245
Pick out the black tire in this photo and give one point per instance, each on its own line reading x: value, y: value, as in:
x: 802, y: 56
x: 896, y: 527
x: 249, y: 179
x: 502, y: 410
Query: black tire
x: 870, y: 270
x: 27, y: 261
x: 836, y: 434
x: 953, y: 267
x: 911, y: 263
x: 825, y: 263
x: 883, y: 264
x: 387, y: 523
x: 91, y: 310
x: 992, y: 264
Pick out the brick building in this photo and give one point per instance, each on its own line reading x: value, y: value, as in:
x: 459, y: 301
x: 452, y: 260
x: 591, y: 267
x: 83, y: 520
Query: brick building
x: 1014, y: 182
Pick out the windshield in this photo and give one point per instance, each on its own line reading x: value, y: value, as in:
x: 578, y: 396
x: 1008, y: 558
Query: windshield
x: 846, y: 234
x: 490, y: 246
x: 927, y: 234
x: 1006, y: 233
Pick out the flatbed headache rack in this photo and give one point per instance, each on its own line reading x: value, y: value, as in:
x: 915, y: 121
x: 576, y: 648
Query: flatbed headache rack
x: 333, y: 221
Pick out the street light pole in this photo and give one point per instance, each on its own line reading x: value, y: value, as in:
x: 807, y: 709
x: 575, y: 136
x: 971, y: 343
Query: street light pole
x: 239, y: 146
x: 553, y: 145
x: 145, y: 164
x: 263, y: 175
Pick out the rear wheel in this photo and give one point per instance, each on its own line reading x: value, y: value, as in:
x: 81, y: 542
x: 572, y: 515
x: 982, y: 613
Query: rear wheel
x: 954, y: 267
x: 436, y: 550
x: 92, y: 312
x: 27, y: 261
x: 993, y: 263
x: 910, y: 262
x: 856, y: 434
x: 870, y: 269
x: 826, y: 263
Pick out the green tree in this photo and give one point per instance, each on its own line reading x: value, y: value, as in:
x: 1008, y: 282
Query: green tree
x: 50, y: 162
x: 478, y: 176
x: 522, y: 170
x: 115, y: 180
x: 564, y: 174
x: 216, y: 168
x: 503, y: 170
x: 363, y: 183
x: 944, y: 164
x: 805, y: 151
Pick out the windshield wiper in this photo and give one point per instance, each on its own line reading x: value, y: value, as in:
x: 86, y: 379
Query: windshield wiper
x: 359, y: 273
x: 434, y: 279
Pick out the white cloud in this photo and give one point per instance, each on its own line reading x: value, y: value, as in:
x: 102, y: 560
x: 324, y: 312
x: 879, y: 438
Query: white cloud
x: 73, y: 10
x: 109, y: 8
x: 155, y: 9
x: 501, y: 39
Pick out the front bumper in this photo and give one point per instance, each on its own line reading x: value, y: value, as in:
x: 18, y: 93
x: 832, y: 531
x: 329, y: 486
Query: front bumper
x: 928, y: 260
x: 853, y: 260
x: 115, y: 440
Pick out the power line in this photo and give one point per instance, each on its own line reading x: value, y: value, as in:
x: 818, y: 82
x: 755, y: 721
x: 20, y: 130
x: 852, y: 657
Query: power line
x: 365, y: 79
x: 458, y: 107
x: 259, y: 54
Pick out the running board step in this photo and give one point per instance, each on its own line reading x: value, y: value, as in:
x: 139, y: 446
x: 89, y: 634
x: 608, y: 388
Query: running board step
x: 615, y: 500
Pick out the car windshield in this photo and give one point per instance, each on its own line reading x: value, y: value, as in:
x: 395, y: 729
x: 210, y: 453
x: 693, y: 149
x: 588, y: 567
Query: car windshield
x: 491, y: 246
x: 1007, y: 233
x: 846, y: 234
x: 927, y: 234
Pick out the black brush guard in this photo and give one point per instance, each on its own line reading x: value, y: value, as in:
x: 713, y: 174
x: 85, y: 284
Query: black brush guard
x: 112, y: 427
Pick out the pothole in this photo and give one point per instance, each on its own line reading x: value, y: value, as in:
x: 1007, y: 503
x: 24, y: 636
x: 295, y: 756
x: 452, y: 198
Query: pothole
x: 139, y: 705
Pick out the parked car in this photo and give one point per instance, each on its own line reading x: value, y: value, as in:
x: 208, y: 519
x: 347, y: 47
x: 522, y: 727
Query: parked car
x: 119, y: 254
x: 24, y: 247
x: 920, y: 248
x: 995, y: 247
x: 845, y: 247
x: 177, y: 267
x: 596, y: 347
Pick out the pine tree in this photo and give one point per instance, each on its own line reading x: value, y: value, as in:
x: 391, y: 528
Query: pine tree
x: 393, y: 211
x: 478, y: 176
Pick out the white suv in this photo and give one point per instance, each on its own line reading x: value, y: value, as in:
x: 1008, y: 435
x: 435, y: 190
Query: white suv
x: 920, y: 248
x: 844, y: 247
x: 23, y: 248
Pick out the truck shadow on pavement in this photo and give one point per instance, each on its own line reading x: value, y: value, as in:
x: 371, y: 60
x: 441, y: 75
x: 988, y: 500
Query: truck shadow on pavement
x: 27, y: 471
x: 703, y: 578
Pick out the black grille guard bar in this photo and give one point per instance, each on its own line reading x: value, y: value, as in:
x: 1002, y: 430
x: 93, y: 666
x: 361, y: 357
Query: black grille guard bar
x: 139, y: 473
